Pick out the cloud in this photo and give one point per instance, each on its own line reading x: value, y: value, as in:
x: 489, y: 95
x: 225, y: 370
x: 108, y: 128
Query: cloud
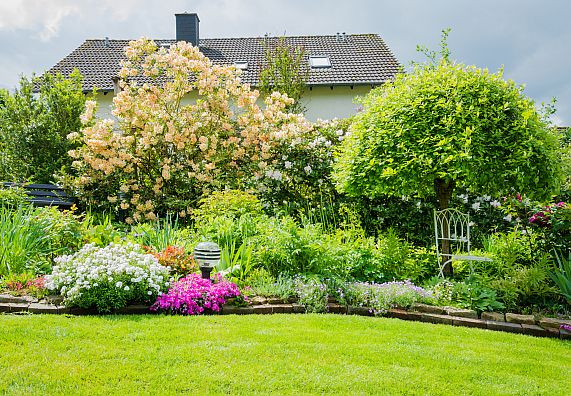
x: 525, y: 36
x: 118, y: 10
x: 44, y: 18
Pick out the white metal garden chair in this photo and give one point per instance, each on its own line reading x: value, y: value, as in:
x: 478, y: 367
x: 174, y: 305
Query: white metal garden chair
x: 452, y: 228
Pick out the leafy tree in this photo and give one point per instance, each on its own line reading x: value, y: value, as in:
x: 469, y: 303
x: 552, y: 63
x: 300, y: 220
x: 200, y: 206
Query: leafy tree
x: 3, y: 95
x: 449, y: 126
x: 34, y: 126
x: 284, y: 72
x: 566, y: 149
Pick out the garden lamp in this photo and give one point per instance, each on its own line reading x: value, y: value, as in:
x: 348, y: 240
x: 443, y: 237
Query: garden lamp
x: 207, y: 254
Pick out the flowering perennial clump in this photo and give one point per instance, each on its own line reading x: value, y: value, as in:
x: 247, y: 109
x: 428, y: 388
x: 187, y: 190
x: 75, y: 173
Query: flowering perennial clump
x: 167, y: 145
x: 300, y: 169
x: 107, y: 278
x: 26, y: 283
x: 381, y: 297
x: 193, y: 295
x: 543, y: 217
x: 176, y: 259
x: 312, y: 294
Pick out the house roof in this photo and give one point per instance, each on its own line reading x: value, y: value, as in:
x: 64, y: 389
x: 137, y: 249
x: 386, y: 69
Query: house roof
x: 356, y: 59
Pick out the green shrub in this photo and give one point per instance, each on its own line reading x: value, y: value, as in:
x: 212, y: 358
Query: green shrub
x: 98, y: 229
x: 24, y: 243
x: 226, y: 231
x: 562, y: 276
x: 13, y: 197
x: 231, y: 203
x: 162, y: 233
x: 262, y: 283
x: 476, y: 297
x: 390, y: 258
x: 65, y: 229
x: 519, y: 272
x: 508, y: 251
x: 522, y: 289
x: 283, y: 247
x: 34, y: 127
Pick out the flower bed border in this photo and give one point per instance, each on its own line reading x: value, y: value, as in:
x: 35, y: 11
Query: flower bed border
x: 512, y: 323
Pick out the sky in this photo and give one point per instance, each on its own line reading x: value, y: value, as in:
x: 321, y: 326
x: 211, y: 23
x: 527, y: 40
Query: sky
x: 531, y: 40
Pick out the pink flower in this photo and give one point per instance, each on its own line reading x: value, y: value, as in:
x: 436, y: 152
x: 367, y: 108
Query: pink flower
x: 193, y: 295
x: 518, y: 197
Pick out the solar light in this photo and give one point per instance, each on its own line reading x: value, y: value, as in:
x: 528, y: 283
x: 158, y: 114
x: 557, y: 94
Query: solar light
x: 207, y: 254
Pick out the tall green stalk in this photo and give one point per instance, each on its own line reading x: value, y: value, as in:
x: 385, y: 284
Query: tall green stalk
x: 24, y: 243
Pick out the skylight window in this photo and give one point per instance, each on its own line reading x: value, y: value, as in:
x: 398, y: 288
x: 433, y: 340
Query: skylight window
x: 242, y: 65
x: 319, y: 62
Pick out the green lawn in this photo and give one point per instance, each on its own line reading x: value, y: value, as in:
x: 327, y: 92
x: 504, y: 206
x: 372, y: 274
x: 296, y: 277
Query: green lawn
x: 283, y: 354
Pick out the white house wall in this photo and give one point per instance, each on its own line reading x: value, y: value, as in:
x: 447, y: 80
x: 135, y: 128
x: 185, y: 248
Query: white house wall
x: 104, y: 103
x: 326, y: 103
x: 321, y: 102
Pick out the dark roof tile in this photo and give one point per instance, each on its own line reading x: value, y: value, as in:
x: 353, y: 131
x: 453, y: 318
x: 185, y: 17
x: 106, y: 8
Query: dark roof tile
x: 358, y: 59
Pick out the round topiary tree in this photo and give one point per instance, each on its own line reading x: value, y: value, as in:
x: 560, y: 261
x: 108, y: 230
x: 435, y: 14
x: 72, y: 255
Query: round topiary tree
x: 447, y: 126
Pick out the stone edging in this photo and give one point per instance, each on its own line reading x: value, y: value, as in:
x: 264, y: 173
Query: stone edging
x: 513, y: 323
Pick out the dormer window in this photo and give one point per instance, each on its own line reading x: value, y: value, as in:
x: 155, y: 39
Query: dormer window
x: 319, y: 62
x: 241, y: 65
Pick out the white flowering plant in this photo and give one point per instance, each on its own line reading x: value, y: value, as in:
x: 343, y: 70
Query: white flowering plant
x: 298, y: 173
x: 108, y: 278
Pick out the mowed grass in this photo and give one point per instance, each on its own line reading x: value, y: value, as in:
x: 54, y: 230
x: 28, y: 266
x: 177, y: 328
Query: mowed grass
x: 281, y: 354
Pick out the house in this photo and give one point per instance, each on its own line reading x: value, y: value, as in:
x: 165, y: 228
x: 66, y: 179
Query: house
x: 340, y: 66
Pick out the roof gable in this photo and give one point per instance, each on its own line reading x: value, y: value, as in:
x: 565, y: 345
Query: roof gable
x: 357, y: 59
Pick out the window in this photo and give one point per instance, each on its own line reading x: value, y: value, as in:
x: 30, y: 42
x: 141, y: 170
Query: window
x: 319, y: 62
x: 242, y: 65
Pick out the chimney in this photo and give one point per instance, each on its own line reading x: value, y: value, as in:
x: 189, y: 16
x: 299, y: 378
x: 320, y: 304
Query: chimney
x: 187, y: 28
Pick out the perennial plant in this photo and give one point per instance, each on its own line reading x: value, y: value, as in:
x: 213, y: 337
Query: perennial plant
x: 384, y: 296
x: 108, y: 278
x: 193, y: 295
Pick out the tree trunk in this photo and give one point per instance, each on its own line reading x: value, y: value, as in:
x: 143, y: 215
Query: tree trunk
x: 444, y: 189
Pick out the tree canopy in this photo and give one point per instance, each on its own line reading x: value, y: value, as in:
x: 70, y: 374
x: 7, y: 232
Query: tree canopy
x: 446, y: 126
x: 283, y: 71
x: 34, y: 126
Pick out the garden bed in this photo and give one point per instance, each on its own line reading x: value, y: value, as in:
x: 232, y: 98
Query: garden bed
x: 509, y: 322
